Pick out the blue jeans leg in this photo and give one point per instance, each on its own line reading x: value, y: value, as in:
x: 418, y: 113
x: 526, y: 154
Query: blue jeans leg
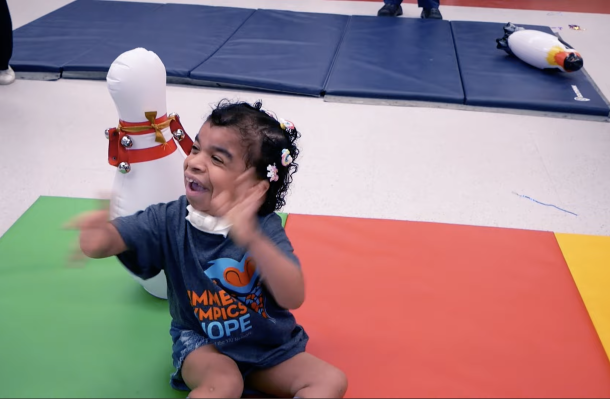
x: 429, y: 4
x: 420, y: 3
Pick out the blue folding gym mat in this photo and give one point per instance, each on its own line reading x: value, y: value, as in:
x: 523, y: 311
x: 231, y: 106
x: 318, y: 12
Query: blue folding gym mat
x: 397, y: 59
x: 48, y: 43
x: 492, y: 78
x: 283, y: 51
x: 182, y: 35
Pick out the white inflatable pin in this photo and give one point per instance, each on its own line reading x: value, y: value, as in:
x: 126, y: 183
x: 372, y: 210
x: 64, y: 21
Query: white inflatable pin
x: 144, y: 145
x: 539, y: 49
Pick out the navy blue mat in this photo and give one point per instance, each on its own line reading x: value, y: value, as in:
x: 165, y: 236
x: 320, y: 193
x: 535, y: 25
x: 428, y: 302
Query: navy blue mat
x: 304, y: 53
x: 283, y: 51
x: 50, y: 42
x: 492, y: 78
x: 398, y: 59
x: 182, y: 35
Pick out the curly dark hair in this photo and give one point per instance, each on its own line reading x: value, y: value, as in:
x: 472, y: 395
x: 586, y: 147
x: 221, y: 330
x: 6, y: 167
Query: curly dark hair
x: 264, y: 139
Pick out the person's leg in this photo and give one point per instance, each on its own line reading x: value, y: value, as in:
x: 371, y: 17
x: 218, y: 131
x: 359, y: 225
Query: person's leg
x: 430, y: 9
x: 6, y: 36
x: 428, y: 4
x: 391, y: 8
x: 303, y: 376
x: 210, y: 374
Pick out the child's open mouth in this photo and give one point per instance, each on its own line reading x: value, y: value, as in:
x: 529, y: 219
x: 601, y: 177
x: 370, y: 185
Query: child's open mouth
x: 194, y: 186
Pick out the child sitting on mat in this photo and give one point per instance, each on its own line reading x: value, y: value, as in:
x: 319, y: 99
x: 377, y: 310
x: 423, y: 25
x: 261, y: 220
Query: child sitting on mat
x: 231, y: 272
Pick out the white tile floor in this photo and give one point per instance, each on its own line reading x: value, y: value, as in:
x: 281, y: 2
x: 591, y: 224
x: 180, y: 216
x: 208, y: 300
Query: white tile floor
x: 357, y: 160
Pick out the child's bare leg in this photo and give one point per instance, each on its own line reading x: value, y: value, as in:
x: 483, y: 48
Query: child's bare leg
x: 303, y: 376
x: 210, y: 374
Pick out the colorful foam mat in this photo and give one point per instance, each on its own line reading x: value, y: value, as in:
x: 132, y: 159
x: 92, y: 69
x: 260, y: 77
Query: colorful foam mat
x: 406, y: 309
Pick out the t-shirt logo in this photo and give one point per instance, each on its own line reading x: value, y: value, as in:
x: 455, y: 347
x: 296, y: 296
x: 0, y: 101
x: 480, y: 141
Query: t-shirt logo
x: 225, y: 311
x: 241, y: 280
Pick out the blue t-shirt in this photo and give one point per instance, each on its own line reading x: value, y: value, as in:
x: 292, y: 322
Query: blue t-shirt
x: 214, y: 288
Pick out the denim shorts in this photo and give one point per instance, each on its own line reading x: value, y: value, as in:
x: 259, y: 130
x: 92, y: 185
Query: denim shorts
x: 186, y: 341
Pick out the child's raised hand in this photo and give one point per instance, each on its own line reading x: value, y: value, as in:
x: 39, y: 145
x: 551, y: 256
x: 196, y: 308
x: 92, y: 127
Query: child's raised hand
x: 86, y: 220
x: 241, y: 205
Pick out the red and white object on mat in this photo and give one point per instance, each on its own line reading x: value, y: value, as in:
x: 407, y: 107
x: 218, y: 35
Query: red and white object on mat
x: 539, y: 49
x: 144, y: 144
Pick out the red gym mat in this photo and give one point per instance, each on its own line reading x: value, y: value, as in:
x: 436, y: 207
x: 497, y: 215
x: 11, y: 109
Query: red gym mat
x: 433, y: 310
x: 588, y: 6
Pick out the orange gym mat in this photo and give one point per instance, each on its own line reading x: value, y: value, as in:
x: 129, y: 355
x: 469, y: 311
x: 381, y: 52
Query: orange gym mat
x: 436, y: 310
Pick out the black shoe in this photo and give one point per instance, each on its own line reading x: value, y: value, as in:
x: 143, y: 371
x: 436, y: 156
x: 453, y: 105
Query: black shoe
x: 431, y: 13
x: 390, y: 10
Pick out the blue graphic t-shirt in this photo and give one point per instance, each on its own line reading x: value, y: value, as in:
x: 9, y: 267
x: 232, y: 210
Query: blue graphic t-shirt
x: 214, y: 287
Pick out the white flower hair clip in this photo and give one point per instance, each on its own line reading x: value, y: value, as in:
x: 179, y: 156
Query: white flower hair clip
x: 286, y: 157
x: 272, y: 175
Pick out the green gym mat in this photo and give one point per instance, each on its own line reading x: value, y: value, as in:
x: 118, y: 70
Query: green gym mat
x: 85, y: 332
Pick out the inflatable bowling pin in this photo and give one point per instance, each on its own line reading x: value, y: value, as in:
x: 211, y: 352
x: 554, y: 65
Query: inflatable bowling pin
x: 539, y: 49
x: 144, y: 145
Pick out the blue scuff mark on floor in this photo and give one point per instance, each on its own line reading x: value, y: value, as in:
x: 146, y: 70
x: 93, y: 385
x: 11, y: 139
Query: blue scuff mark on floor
x: 542, y: 203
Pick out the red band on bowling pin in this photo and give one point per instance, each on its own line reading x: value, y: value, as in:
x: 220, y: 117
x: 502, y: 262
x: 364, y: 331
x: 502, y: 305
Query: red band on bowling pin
x: 186, y: 143
x: 117, y: 153
x: 145, y: 126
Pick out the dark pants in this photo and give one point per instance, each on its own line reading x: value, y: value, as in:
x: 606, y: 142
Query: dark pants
x: 6, y: 35
x: 421, y: 3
